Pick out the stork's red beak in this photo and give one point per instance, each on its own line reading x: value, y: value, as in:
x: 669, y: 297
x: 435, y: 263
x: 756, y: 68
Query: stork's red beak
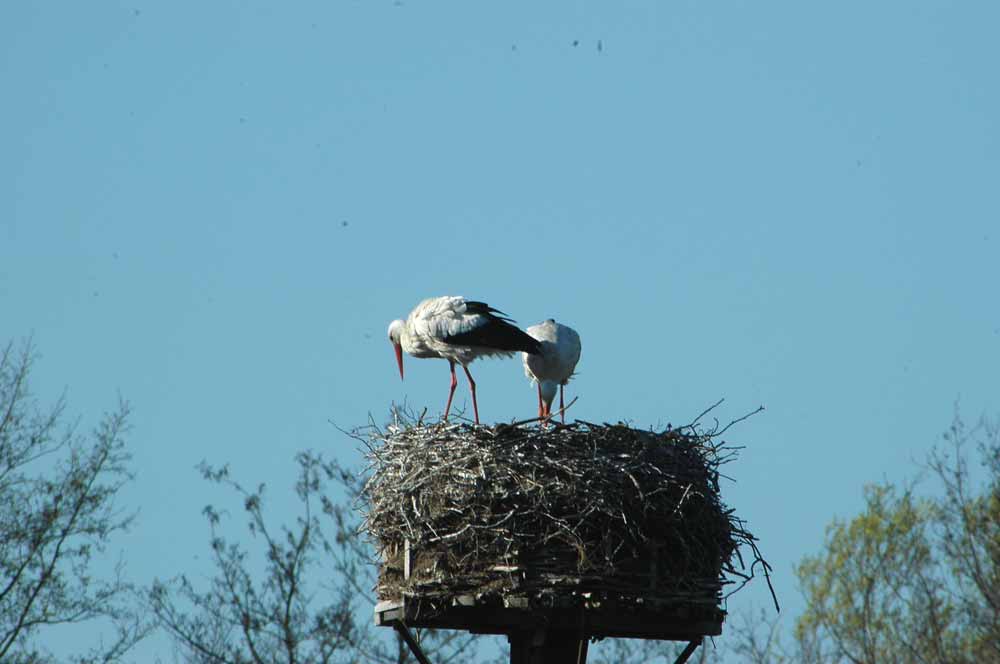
x: 399, y: 359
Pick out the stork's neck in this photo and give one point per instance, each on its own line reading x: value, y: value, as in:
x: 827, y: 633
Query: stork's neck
x: 548, y: 390
x: 413, y: 344
x: 406, y: 342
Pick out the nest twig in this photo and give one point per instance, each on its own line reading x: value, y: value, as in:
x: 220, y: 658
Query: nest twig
x: 582, y: 509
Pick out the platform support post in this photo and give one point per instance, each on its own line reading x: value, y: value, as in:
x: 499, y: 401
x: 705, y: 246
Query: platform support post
x: 547, y: 646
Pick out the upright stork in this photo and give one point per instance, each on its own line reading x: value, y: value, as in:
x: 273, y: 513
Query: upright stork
x: 458, y: 330
x: 554, y: 364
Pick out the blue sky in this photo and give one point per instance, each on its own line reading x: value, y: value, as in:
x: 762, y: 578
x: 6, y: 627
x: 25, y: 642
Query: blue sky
x: 216, y: 209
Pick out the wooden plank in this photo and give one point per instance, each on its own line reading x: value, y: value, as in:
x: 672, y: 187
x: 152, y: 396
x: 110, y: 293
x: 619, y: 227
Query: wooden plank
x: 600, y: 622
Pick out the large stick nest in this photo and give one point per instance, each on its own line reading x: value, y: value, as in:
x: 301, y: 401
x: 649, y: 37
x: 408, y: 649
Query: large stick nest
x: 579, y: 510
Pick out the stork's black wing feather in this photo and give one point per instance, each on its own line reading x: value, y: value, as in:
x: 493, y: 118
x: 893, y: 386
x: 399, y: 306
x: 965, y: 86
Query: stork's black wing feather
x: 496, y: 331
x: 484, y: 309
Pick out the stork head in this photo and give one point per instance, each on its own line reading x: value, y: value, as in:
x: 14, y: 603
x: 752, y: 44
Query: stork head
x: 396, y: 329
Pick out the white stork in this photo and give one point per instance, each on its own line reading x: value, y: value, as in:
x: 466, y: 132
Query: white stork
x: 554, y: 365
x: 457, y: 330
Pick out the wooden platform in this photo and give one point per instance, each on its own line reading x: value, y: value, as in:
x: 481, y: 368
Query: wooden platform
x: 671, y: 623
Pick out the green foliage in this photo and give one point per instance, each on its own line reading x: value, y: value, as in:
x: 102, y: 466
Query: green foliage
x: 911, y: 579
x: 968, y: 523
x: 876, y: 587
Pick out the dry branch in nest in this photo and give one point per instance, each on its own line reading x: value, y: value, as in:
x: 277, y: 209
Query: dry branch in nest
x: 580, y: 511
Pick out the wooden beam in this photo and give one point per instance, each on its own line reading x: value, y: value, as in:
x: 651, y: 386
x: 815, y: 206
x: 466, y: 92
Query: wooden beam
x: 688, y: 651
x: 415, y: 648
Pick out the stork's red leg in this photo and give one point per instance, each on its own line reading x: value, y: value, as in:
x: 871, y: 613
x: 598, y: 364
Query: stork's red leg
x: 562, y: 408
x: 451, y: 393
x: 541, y: 405
x: 472, y: 386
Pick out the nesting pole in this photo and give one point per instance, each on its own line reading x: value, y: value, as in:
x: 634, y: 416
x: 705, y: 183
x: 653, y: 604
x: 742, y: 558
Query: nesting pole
x: 553, y: 537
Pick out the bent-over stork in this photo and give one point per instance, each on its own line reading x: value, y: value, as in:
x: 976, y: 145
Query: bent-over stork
x: 458, y: 330
x: 554, y: 365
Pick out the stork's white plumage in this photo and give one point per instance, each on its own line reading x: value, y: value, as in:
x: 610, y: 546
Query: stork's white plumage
x: 458, y: 330
x: 554, y: 365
